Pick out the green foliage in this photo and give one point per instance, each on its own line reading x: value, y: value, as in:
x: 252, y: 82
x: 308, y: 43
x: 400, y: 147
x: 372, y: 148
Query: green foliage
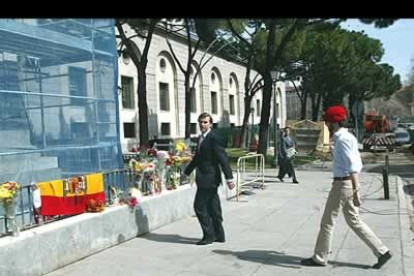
x: 206, y: 29
x: 379, y: 22
x: 337, y: 62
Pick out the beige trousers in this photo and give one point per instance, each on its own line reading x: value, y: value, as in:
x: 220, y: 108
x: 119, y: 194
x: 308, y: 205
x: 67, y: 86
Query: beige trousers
x: 341, y: 196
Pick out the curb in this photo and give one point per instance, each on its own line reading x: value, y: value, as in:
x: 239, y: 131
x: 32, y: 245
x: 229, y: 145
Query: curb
x: 406, y: 232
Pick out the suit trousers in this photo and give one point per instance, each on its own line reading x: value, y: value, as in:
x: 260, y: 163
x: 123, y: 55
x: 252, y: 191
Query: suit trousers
x: 341, y: 197
x: 208, y: 210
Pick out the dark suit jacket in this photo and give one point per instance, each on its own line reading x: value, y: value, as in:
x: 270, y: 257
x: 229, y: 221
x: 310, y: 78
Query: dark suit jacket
x: 207, y: 160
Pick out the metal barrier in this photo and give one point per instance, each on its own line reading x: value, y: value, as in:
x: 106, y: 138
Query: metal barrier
x: 241, y: 172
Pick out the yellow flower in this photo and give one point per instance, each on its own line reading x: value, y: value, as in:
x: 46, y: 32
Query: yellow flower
x: 8, y: 190
x: 176, y: 159
x: 180, y: 147
x: 185, y: 159
x: 139, y: 167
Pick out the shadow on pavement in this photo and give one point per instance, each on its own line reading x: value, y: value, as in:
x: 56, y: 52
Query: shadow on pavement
x: 265, y: 257
x: 279, y: 258
x: 169, y: 238
x: 342, y: 264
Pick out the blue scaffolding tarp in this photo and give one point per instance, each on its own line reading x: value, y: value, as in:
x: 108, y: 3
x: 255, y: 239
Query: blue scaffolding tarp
x: 58, y: 99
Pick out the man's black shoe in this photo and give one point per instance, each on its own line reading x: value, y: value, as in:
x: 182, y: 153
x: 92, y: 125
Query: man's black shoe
x: 220, y: 240
x: 204, y: 242
x: 281, y: 179
x: 295, y: 181
x: 383, y: 259
x: 310, y: 262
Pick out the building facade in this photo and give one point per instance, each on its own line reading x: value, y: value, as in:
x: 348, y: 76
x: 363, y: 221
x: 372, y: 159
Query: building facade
x: 219, y: 90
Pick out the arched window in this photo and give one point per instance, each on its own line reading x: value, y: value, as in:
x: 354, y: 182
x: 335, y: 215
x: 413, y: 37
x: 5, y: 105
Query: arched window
x: 166, y: 94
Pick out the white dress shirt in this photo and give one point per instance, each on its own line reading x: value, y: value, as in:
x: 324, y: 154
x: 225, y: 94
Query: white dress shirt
x: 346, y: 157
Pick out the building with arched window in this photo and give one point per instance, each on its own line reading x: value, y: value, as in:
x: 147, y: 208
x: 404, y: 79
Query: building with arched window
x: 219, y: 90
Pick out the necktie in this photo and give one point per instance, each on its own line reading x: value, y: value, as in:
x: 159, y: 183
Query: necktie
x: 200, y: 140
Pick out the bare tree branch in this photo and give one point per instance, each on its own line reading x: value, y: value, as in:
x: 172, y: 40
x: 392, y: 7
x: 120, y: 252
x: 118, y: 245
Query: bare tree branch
x: 151, y: 29
x: 174, y: 56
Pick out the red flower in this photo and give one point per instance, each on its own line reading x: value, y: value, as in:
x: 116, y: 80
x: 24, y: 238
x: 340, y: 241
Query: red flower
x: 152, y: 152
x: 95, y: 206
x: 132, y: 202
x: 134, y: 150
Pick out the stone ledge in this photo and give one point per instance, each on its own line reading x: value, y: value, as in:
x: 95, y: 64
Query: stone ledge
x: 44, y: 249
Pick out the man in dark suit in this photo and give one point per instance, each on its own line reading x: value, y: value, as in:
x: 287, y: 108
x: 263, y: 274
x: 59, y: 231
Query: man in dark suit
x: 209, y: 156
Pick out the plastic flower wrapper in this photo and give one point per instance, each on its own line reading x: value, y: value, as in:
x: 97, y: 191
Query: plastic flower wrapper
x: 117, y: 196
x: 173, y: 178
x: 149, y: 168
x: 134, y: 196
x: 162, y: 154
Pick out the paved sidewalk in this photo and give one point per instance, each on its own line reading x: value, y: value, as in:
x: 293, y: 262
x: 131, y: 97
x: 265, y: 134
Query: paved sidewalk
x: 268, y: 233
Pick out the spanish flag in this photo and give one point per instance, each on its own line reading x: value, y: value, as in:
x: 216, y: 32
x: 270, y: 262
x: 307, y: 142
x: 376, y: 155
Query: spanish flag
x: 70, y: 197
x: 95, y: 187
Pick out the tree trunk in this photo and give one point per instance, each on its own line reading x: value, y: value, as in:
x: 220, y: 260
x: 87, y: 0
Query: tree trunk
x: 265, y: 115
x: 303, y: 105
x: 247, y: 103
x: 313, y: 103
x: 143, y: 107
x: 267, y: 90
x: 187, y: 104
x: 247, y: 99
x: 315, y: 111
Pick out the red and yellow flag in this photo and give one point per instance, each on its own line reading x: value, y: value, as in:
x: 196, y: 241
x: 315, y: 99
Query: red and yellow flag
x: 95, y: 187
x: 70, y: 197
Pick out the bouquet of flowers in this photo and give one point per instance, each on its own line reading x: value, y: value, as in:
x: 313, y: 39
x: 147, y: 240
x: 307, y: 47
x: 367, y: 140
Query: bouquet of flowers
x: 116, y: 196
x: 175, y: 164
x: 145, y: 170
x: 8, y: 192
x: 95, y: 206
x: 133, y: 198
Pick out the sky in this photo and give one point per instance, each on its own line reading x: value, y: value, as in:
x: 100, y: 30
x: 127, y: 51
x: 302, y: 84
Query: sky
x: 397, y: 41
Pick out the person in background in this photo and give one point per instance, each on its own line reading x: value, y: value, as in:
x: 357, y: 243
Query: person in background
x: 285, y: 162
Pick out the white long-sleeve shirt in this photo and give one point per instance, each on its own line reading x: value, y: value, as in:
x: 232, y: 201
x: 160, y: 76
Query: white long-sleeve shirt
x: 346, y: 157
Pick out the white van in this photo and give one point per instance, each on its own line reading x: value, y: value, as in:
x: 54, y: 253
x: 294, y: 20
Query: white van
x: 402, y: 137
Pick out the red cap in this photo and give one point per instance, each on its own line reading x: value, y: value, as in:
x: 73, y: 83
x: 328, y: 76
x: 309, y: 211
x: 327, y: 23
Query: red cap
x: 335, y: 114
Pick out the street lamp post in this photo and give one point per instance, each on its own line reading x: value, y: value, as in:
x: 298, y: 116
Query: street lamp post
x: 275, y: 76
